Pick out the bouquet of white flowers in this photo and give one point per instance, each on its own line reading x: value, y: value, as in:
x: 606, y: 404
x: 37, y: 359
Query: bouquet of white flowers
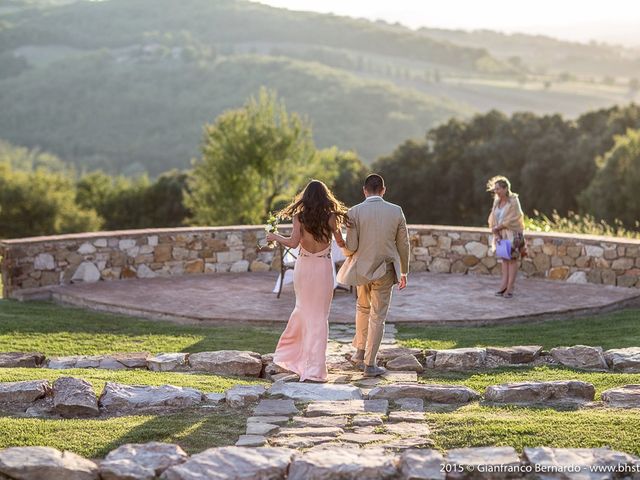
x: 271, y: 227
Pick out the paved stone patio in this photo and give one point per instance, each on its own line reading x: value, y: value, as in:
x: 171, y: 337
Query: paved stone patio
x: 445, y: 299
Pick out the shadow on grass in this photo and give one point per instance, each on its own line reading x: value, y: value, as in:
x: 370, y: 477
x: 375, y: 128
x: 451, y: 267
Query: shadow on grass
x: 194, y: 430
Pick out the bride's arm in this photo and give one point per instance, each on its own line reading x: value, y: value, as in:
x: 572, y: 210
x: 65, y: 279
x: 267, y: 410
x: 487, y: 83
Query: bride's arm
x: 337, y: 232
x: 293, y: 241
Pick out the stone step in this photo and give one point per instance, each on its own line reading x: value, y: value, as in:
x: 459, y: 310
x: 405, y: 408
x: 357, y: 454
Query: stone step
x: 625, y: 360
x: 627, y: 396
x: 117, y: 398
x: 328, y: 421
x: 299, y: 442
x: 251, y: 441
x: 315, y: 391
x: 433, y: 393
x: 350, y: 407
x: 311, y: 431
x: 262, y: 429
x: 275, y: 408
x: 525, y: 393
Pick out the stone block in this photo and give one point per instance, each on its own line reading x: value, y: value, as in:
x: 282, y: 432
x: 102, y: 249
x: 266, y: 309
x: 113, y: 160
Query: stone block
x: 627, y: 396
x: 428, y: 241
x: 86, y: 272
x: 609, y: 277
x: 260, y: 463
x: 40, y: 463
x: 517, y: 354
x: 622, y: 264
x: 227, y: 362
x: 532, y: 393
x: 593, y: 251
x: 162, y: 253
x: 580, y: 356
x: 229, y: 257
x: 440, y: 265
x: 627, y: 280
x: 365, y: 464
x: 574, y: 251
x: 44, y: 261
x: 459, y: 267
x: 558, y: 273
x: 444, y: 242
x: 74, y: 397
x: 194, y: 266
x: 432, y: 393
x: 577, y: 277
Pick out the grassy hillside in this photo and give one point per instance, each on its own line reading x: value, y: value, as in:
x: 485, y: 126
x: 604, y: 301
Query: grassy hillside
x: 119, y: 23
x: 546, y: 54
x: 126, y: 85
x: 125, y: 114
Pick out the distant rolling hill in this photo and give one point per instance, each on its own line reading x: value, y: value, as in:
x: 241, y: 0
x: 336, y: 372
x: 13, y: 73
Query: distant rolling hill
x: 126, y: 116
x: 545, y: 54
x: 126, y: 85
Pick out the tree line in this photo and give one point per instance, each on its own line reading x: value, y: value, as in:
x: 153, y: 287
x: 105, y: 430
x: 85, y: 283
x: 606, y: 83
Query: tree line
x: 255, y: 158
x: 590, y: 165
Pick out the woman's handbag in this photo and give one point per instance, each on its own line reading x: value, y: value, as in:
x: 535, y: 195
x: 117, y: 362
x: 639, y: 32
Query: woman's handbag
x: 503, y: 249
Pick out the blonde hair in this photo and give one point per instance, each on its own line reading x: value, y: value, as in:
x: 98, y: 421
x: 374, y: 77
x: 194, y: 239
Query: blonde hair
x: 503, y: 182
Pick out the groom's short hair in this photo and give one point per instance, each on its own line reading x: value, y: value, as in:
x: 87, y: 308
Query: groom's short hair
x: 374, y: 183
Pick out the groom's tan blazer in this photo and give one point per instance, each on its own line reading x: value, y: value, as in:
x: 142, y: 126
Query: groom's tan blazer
x: 377, y: 236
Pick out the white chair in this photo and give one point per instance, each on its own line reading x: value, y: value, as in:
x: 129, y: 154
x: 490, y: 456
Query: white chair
x: 287, y: 263
x: 288, y: 257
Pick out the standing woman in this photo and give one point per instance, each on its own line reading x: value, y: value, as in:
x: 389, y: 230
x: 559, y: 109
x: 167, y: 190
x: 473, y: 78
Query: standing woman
x: 317, y: 217
x: 506, y: 221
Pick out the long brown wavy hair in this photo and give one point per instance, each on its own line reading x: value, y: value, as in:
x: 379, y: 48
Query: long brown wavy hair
x: 314, y: 206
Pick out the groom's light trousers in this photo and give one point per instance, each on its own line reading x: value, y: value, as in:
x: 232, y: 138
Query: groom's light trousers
x: 371, y: 312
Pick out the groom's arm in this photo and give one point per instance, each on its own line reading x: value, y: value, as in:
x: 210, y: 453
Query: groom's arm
x: 351, y: 242
x: 402, y: 243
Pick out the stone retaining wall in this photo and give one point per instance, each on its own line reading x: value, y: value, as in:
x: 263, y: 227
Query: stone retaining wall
x: 394, y: 358
x: 37, y: 263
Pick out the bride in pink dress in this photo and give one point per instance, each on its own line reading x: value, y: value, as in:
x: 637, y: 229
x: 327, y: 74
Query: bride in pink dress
x: 317, y: 217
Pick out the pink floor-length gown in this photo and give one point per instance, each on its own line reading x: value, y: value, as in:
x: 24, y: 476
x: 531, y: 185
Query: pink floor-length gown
x: 303, y: 345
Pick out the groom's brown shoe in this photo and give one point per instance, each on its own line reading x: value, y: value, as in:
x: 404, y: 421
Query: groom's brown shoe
x: 373, y: 371
x: 358, y: 358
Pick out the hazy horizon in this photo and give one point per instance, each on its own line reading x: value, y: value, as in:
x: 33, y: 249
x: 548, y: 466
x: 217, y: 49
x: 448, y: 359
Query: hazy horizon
x: 583, y: 21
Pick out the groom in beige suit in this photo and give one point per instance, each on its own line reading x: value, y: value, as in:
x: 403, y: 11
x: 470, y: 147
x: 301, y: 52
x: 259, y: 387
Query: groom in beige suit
x: 377, y: 249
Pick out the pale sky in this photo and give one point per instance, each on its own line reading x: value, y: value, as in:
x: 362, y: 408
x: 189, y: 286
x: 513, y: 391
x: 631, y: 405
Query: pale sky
x: 614, y: 21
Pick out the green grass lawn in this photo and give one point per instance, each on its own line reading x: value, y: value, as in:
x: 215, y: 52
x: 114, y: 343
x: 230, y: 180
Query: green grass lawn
x: 55, y: 330
x: 476, y: 426
x: 193, y: 430
x: 479, y: 425
x: 615, y: 330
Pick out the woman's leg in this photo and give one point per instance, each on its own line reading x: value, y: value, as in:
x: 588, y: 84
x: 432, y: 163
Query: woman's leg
x: 505, y: 276
x: 512, y: 270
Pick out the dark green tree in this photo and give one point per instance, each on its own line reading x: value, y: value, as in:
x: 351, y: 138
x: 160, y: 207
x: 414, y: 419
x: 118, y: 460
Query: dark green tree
x: 613, y: 192
x: 40, y: 202
x: 251, y: 158
x: 135, y: 203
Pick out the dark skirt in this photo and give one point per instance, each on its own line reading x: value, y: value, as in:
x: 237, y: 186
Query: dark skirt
x: 518, y: 246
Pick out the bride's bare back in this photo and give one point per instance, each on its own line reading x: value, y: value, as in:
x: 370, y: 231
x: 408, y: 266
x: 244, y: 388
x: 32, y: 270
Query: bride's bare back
x: 299, y: 236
